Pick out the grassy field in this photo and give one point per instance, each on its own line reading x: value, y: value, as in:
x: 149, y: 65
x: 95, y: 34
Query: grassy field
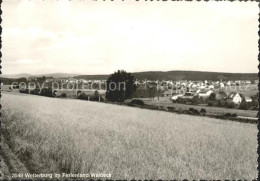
x: 73, y: 136
x: 166, y: 101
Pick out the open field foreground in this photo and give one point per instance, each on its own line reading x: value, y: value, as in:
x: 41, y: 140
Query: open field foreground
x: 72, y: 136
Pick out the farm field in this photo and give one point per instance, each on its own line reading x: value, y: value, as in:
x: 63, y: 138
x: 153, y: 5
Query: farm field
x: 49, y: 135
x: 165, y: 101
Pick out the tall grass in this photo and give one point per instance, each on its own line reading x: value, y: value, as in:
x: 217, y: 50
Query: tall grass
x: 72, y: 136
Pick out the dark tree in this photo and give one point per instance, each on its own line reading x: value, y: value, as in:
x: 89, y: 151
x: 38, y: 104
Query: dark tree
x: 41, y: 79
x: 152, y: 92
x: 120, y: 86
x: 203, y: 111
x: 212, y: 97
x: 96, y: 97
x: 195, y: 100
x: 244, y: 105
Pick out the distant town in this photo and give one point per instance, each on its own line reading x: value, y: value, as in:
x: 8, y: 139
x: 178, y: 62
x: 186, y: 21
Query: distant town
x: 241, y: 94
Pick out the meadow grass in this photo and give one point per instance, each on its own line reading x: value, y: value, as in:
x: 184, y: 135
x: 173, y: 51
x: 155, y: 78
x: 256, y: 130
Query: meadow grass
x: 74, y: 136
x: 166, y: 101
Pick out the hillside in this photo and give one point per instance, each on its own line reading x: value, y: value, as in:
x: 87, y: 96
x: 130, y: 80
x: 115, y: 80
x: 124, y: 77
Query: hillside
x: 154, y: 75
x: 16, y: 76
x: 25, y: 75
x: 182, y: 75
x: 73, y: 136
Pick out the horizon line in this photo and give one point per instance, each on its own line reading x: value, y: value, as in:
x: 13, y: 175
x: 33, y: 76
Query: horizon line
x: 77, y: 74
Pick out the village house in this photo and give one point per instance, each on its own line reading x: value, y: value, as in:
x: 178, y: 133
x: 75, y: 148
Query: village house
x: 62, y: 80
x: 49, y: 80
x: 167, y: 93
x: 235, y: 97
x: 247, y: 82
x: 248, y: 99
x: 221, y: 85
x: 187, y: 95
x: 228, y: 83
x: 169, y: 82
x: 211, y: 86
x: 202, y: 86
x: 204, y: 93
x: 175, y: 97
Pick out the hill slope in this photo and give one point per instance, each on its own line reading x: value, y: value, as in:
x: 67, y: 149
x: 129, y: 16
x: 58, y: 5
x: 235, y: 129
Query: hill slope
x: 73, y: 136
x: 25, y: 75
x: 182, y: 75
x: 154, y: 75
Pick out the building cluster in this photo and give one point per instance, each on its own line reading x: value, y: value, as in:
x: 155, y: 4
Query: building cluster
x: 203, y: 89
x: 176, y: 89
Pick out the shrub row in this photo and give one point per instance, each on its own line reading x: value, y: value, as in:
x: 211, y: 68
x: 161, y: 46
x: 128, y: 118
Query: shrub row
x: 191, y: 111
x: 44, y: 92
x: 94, y: 97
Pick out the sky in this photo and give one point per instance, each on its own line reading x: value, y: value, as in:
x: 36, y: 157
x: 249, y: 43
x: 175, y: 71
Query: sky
x: 97, y: 37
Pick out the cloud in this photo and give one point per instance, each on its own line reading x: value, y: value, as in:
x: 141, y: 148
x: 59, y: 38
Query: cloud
x: 93, y: 37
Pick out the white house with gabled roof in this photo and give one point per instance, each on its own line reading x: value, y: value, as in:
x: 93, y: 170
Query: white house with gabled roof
x: 235, y: 97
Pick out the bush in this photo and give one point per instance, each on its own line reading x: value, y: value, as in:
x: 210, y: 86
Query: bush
x: 198, y: 100
x: 229, y: 104
x: 212, y: 97
x: 25, y: 91
x: 244, y: 105
x: 55, y: 93
x: 194, y: 111
x: 234, y: 115
x: 46, y: 92
x: 63, y: 95
x: 221, y: 103
x: 82, y: 96
x: 182, y: 100
x: 185, y: 112
x: 195, y: 100
x: 228, y: 115
x: 212, y: 103
x: 161, y: 108
x: 96, y: 98
x: 170, y: 108
x: 203, y: 111
x: 35, y: 91
x: 138, y: 102
x: 79, y: 92
x: 130, y: 104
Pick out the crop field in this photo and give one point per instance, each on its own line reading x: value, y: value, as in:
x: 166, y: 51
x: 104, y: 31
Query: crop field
x: 50, y: 135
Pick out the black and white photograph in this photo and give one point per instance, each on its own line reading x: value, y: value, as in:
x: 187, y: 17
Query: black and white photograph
x: 129, y: 90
